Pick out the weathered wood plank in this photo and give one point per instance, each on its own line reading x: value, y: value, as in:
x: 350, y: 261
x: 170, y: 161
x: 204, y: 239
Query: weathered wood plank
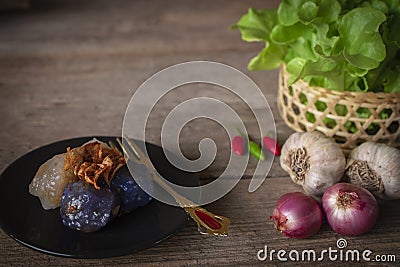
x: 251, y: 229
x: 68, y: 69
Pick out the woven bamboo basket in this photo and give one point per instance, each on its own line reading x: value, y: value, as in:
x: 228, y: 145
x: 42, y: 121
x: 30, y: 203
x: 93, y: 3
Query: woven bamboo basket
x: 298, y: 107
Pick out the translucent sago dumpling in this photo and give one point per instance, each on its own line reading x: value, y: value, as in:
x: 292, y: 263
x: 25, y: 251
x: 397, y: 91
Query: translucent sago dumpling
x: 91, y: 162
x: 50, y: 180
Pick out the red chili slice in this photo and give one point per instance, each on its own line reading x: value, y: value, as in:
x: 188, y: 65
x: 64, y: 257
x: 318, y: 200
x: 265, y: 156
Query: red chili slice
x: 272, y: 145
x: 238, y: 144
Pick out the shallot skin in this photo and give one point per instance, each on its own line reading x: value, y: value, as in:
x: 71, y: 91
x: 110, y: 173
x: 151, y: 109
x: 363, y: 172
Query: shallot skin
x: 356, y: 216
x: 297, y: 215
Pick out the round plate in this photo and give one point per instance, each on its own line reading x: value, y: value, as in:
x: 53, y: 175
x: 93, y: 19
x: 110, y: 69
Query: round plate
x: 23, y: 218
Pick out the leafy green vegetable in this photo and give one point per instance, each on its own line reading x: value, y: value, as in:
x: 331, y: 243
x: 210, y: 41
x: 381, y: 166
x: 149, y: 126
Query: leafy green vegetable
x: 343, y: 45
x: 256, y: 25
x: 363, y: 45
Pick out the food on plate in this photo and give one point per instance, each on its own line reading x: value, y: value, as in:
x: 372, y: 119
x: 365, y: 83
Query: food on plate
x: 50, y: 180
x: 87, y: 209
x: 92, y: 161
x: 88, y: 162
x: 89, y: 186
x: 128, y: 191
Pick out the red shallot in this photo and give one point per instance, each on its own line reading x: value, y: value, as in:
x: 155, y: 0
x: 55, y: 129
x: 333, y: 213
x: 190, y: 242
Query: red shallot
x: 350, y: 209
x: 297, y: 215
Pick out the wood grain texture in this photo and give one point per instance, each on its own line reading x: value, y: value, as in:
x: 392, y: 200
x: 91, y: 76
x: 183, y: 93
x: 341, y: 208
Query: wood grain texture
x: 250, y: 231
x: 68, y: 69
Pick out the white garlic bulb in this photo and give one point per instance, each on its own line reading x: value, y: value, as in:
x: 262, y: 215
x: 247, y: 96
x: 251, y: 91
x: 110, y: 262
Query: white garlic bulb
x: 313, y: 161
x: 376, y: 167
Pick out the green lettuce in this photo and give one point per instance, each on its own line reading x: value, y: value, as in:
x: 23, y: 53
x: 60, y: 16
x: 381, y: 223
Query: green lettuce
x: 343, y: 45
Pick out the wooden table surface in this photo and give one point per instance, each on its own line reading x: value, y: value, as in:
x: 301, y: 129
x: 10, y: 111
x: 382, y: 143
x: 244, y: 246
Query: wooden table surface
x: 69, y: 68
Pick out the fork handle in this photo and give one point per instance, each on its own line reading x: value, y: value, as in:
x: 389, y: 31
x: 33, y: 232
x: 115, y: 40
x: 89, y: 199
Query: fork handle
x: 207, y: 222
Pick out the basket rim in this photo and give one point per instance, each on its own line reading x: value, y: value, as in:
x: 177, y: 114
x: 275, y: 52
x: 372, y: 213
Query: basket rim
x: 393, y: 96
x: 294, y: 112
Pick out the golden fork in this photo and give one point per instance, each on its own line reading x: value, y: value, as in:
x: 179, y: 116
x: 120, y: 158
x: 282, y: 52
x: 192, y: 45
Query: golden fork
x: 207, y: 222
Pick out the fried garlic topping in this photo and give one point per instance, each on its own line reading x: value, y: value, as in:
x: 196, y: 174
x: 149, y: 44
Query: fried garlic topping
x: 93, y: 161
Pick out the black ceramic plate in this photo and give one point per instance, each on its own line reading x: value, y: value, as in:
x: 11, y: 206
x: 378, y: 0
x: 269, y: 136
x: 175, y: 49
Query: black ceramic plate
x: 23, y: 218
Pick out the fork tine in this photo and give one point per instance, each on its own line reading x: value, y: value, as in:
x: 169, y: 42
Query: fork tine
x: 127, y: 154
x: 135, y: 149
x: 189, y: 206
x: 112, y: 145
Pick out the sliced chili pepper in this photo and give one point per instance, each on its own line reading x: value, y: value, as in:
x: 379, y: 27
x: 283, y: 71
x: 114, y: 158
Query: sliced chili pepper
x: 238, y: 144
x: 256, y: 151
x: 272, y: 145
x: 253, y: 147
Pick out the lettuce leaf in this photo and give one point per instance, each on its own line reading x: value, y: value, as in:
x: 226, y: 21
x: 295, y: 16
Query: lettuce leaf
x: 363, y: 44
x: 256, y: 25
x: 344, y: 45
